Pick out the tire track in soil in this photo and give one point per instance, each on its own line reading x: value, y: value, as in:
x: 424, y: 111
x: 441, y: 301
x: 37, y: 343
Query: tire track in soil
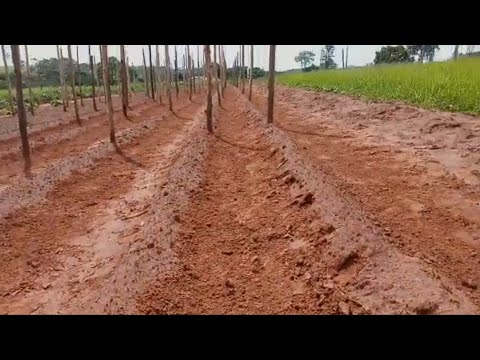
x: 244, y: 245
x: 36, y: 240
x: 76, y: 139
x: 402, y: 201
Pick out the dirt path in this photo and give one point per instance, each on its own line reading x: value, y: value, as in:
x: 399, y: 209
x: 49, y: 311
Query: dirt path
x: 411, y: 170
x: 58, y: 255
x: 245, y: 245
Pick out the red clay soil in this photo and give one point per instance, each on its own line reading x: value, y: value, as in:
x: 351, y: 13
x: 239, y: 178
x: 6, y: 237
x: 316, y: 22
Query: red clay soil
x: 243, y: 242
x: 47, y: 256
x: 413, y: 171
x: 68, y: 140
x: 341, y: 207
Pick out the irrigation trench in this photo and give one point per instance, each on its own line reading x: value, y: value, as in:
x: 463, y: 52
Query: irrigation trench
x: 252, y: 219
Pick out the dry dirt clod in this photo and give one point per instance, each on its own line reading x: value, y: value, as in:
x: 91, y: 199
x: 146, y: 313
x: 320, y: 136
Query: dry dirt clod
x: 307, y: 199
x: 229, y: 283
x: 427, y: 307
x: 469, y: 283
x: 344, y: 308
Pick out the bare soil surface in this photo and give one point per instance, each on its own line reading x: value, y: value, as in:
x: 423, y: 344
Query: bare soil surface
x: 341, y: 207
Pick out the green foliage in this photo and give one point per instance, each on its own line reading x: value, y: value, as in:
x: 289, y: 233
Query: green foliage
x: 305, y: 58
x: 394, y: 54
x: 326, y: 57
x: 452, y: 85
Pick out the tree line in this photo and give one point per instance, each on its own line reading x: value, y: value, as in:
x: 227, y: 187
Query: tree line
x: 386, y: 55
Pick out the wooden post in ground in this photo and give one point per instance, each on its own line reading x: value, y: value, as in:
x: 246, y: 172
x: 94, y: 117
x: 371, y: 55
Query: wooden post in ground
x: 79, y: 79
x: 72, y: 78
x: 108, y: 95
x: 250, y: 85
x: 167, y: 80
x: 193, y: 73
x: 243, y: 69
x: 145, y: 75
x: 124, y: 81
x: 176, y: 71
x: 29, y: 83
x: 92, y: 72
x: 208, y: 110
x: 200, y: 79
x: 346, y: 58
x: 151, y: 72
x: 158, y: 77
x: 224, y: 68
x: 10, y: 94
x: 62, y: 78
x: 271, y: 83
x: 215, y: 75
x: 103, y: 83
x: 22, y: 114
x: 190, y: 80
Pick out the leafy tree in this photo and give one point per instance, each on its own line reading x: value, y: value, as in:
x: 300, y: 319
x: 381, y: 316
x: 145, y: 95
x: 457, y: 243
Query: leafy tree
x: 326, y: 57
x: 305, y: 58
x: 422, y: 51
x: 392, y: 54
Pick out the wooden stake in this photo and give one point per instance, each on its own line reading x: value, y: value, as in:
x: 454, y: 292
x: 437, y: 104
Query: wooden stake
x: 215, y: 74
x: 92, y: 72
x: 72, y: 79
x: 101, y: 63
x: 167, y: 80
x: 124, y: 81
x: 151, y: 71
x: 176, y: 71
x: 208, y: 110
x: 61, y: 76
x: 108, y: 95
x: 145, y: 76
x: 271, y: 83
x: 30, y: 94
x: 242, y: 71
x: 22, y: 114
x: 251, y: 74
x: 79, y: 79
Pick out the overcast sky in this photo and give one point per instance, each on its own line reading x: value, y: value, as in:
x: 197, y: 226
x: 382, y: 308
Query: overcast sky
x: 358, y: 54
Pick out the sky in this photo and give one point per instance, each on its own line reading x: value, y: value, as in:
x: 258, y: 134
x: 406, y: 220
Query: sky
x: 359, y: 55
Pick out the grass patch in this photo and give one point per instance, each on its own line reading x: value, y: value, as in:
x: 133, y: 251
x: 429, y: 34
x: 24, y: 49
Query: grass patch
x: 451, y: 85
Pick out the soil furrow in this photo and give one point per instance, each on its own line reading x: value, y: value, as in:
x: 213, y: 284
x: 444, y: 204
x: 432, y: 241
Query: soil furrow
x: 42, y: 259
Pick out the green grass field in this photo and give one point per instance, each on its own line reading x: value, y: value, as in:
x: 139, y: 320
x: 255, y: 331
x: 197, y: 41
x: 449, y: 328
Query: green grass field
x: 451, y: 85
